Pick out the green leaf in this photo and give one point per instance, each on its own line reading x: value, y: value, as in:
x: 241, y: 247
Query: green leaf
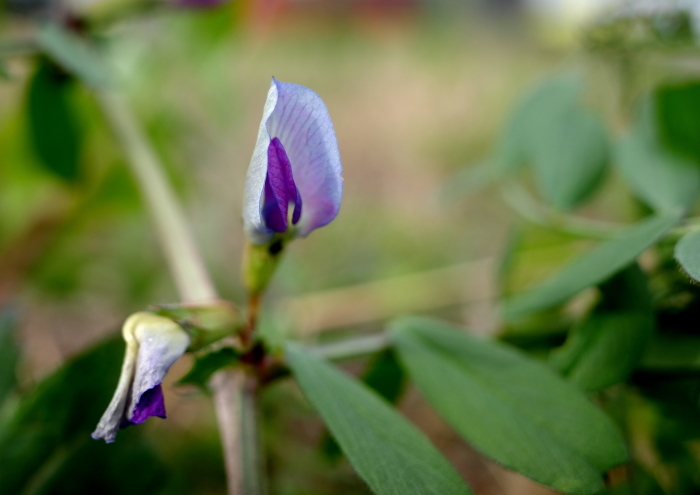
x: 687, y: 252
x: 53, y: 128
x: 673, y: 353
x: 604, y: 348
x: 677, y: 108
x: 103, y: 468
x: 509, y: 407
x: 9, y: 352
x: 49, y: 433
x: 565, y: 144
x: 385, y: 376
x: 387, y: 451
x: 570, y: 158
x: 205, y: 366
x: 531, y: 119
x: 662, y: 180
x: 73, y: 53
x: 592, y: 268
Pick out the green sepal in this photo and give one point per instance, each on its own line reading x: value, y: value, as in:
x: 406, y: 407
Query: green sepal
x: 260, y: 262
x: 205, y: 323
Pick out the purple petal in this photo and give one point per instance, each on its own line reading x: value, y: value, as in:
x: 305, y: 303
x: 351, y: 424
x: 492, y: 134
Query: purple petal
x: 301, y: 122
x: 150, y: 404
x: 298, y: 118
x: 280, y: 189
x: 160, y: 345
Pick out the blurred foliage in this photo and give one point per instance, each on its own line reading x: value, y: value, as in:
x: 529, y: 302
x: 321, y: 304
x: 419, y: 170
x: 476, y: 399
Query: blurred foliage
x: 589, y: 281
x: 53, y: 127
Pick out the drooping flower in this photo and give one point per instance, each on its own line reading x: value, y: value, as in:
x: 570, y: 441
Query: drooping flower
x: 153, y: 344
x: 294, y: 183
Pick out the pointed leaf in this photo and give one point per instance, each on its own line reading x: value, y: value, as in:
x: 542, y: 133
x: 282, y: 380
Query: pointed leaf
x: 661, y: 179
x: 73, y: 53
x: 385, y: 376
x: 677, y: 108
x: 509, y: 407
x: 687, y: 252
x: 531, y: 119
x: 570, y: 158
x: 604, y: 348
x: 387, y: 451
x: 592, y: 268
x: 565, y: 144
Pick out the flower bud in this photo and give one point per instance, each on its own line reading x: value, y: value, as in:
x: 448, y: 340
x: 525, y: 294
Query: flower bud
x: 153, y: 344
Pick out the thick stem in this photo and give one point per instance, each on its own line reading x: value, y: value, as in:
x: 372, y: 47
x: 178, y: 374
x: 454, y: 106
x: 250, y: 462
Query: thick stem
x: 234, y: 397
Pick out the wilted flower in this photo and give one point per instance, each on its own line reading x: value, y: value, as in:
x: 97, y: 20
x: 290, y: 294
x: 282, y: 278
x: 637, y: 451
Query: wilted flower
x: 153, y: 344
x: 295, y: 167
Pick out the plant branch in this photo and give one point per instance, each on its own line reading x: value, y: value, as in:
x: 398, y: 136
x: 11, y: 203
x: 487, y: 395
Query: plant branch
x: 353, y: 347
x: 234, y: 395
x: 183, y: 258
x: 531, y: 210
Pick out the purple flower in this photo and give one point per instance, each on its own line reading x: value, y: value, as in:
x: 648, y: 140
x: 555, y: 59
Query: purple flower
x: 153, y: 344
x: 294, y: 182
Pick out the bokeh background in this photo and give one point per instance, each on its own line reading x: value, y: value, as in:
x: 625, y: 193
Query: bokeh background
x: 417, y: 90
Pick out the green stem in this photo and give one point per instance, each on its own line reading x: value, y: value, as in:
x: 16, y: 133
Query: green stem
x: 531, y: 210
x: 353, y: 347
x: 234, y: 392
x: 181, y: 253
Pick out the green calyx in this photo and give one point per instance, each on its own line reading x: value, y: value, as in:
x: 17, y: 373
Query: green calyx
x: 260, y: 262
x: 205, y: 323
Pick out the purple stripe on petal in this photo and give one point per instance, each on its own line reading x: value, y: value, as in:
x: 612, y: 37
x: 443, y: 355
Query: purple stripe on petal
x: 280, y: 189
x: 150, y: 404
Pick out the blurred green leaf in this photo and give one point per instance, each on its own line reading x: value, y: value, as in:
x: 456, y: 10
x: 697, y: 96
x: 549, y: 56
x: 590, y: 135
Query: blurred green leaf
x: 532, y: 117
x: 662, y: 180
x: 604, y: 348
x: 73, y: 53
x: 592, y: 268
x: 687, y: 252
x: 53, y: 127
x: 87, y: 466
x: 389, y: 453
x: 677, y: 108
x: 509, y: 407
x: 385, y: 376
x: 570, y: 158
x: 673, y: 353
x: 565, y: 144
x: 48, y: 436
x: 669, y: 26
x: 205, y: 366
x: 9, y: 352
